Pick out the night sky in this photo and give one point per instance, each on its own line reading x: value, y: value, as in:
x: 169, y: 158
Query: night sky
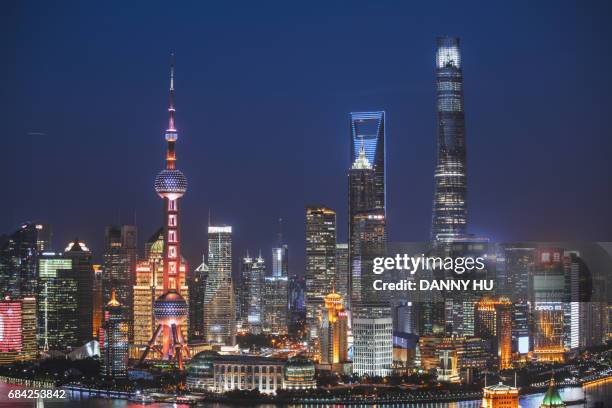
x: 263, y: 92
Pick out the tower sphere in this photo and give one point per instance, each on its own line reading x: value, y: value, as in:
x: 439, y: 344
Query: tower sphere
x: 171, y: 183
x: 170, y: 308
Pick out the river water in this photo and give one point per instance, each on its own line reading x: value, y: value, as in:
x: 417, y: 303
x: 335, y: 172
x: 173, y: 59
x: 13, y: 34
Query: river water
x: 595, y: 393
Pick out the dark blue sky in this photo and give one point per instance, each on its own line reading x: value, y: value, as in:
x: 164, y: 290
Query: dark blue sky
x: 263, y: 93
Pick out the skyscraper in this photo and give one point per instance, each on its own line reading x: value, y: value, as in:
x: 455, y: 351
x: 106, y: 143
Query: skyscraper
x: 368, y: 131
x: 371, y: 312
x: 334, y: 332
x: 170, y: 309
x: 547, y: 297
x: 120, y: 256
x: 219, y: 306
x: 197, y: 288
x: 97, y: 301
x: 57, y: 307
x: 242, y: 289
x: 148, y: 286
x: 19, y: 258
x: 320, y: 263
x: 83, y: 269
x: 114, y: 340
x: 342, y: 271
x: 254, y: 271
x: 449, y: 218
x: 276, y: 292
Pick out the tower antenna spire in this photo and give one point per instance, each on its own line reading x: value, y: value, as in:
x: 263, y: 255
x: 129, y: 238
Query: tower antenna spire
x: 171, y: 96
x: 280, y: 231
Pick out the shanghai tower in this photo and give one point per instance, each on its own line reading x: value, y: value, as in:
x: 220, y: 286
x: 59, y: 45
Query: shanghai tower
x: 449, y: 220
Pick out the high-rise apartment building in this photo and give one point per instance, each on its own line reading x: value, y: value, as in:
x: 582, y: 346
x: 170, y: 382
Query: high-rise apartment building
x: 449, y: 220
x: 219, y: 306
x: 320, y: 263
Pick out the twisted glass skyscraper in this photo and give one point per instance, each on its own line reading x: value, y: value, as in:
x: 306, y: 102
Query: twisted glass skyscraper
x: 449, y: 219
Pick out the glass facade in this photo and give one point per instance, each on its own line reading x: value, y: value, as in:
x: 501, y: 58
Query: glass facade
x: 320, y: 262
x: 367, y: 130
x: 450, y: 207
x: 19, y: 259
x: 219, y: 306
x: 57, y: 307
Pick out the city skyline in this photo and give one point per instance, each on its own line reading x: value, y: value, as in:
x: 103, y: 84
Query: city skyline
x: 47, y: 145
x: 363, y: 289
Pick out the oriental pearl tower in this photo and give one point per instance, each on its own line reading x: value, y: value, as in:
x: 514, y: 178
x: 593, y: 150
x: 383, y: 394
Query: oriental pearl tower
x: 170, y: 309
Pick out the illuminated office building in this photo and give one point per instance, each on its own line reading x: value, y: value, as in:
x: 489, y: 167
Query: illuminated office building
x: 97, y: 301
x: 242, y: 289
x: 17, y: 330
x: 219, y: 302
x: 170, y: 309
x: 367, y: 131
x: 373, y: 344
x: 320, y: 263
x: 149, y: 274
x: 275, y: 304
x: 517, y: 261
x: 343, y: 271
x: 494, y: 321
x: 334, y: 332
x: 83, y: 268
x: 361, y: 200
x: 548, y: 295
x: 114, y: 340
x: 197, y: 288
x: 253, y: 273
x: 57, y: 307
x: 276, y: 292
x: 120, y: 257
x: 449, y: 219
x: 372, y: 325
x: 19, y: 259
x: 503, y: 310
